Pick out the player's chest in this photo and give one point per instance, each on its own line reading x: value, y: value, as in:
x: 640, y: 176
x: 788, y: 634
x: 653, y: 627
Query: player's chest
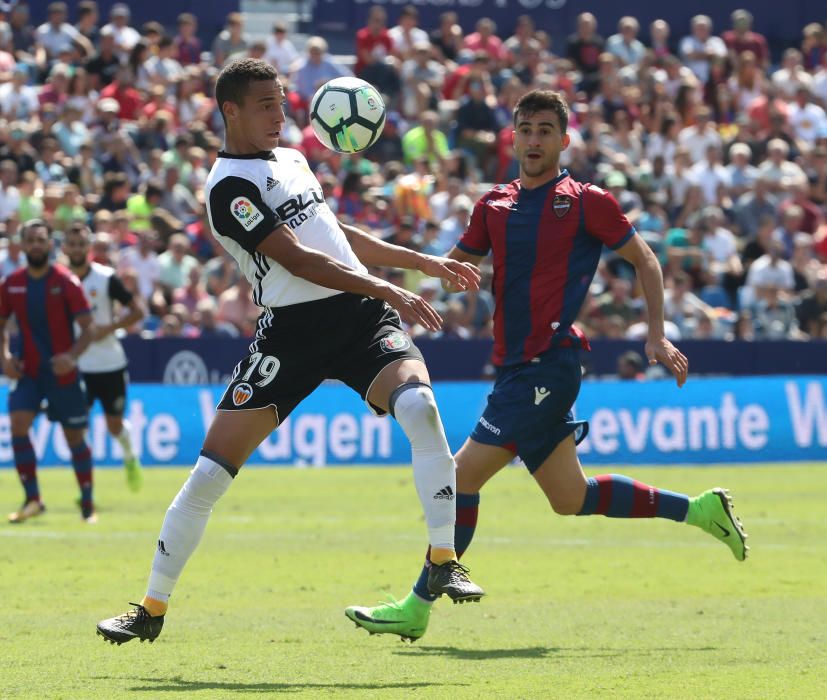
x: 295, y: 198
x: 526, y: 226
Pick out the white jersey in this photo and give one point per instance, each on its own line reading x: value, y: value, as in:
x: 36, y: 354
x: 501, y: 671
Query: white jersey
x: 102, y: 288
x: 249, y: 196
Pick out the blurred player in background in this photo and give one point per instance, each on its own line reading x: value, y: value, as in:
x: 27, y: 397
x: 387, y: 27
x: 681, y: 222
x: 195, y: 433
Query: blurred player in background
x: 104, y: 362
x: 546, y: 233
x: 324, y: 317
x: 47, y: 302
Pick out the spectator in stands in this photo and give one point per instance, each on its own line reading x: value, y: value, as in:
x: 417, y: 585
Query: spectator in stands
x: 769, y: 270
x: 806, y: 118
x: 425, y: 140
x: 625, y: 45
x: 373, y: 43
x: 774, y: 316
x: 187, y: 43
x: 777, y: 169
x: 659, y: 32
x: 710, y: 175
x: 447, y: 37
x: 476, y: 126
x: 205, y: 319
x: 230, y: 42
x: 125, y: 36
x: 812, y: 308
x: 791, y: 75
x: 630, y: 366
x: 17, y: 99
x: 176, y: 262
x: 87, y: 23
x: 56, y: 37
x: 23, y: 35
x: 701, y: 47
x: 280, y: 50
x: 315, y: 69
x: 162, y: 68
x: 406, y: 34
x: 700, y: 136
x: 143, y: 259
x: 422, y: 80
x: 741, y: 39
x: 485, y: 39
x: 584, y: 49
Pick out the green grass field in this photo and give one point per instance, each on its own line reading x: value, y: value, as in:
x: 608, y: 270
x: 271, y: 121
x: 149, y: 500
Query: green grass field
x: 577, y: 607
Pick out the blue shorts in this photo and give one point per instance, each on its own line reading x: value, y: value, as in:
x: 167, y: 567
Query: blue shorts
x: 67, y: 402
x: 529, y: 408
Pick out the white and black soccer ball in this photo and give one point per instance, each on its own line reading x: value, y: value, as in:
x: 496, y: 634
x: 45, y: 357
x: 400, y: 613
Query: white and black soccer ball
x: 347, y: 114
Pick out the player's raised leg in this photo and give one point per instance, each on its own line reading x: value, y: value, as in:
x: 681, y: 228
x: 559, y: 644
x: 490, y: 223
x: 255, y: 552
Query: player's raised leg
x: 403, y: 389
x: 231, y: 439
x: 408, y: 618
x: 570, y: 492
x: 25, y: 462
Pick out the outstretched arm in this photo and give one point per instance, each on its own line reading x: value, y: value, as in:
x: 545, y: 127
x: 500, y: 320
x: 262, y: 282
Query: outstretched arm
x: 647, y: 267
x: 374, y: 251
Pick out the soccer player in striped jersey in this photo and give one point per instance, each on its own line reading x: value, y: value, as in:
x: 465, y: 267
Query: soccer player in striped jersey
x: 545, y: 233
x: 47, y: 301
x: 323, y: 317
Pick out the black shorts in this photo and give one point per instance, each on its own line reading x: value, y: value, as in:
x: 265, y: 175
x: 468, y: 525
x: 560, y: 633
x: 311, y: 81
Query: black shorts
x: 346, y: 337
x: 109, y: 388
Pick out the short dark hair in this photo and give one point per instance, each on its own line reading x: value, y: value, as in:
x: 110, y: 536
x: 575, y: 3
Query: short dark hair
x: 79, y: 228
x: 32, y: 224
x: 235, y: 78
x: 542, y: 101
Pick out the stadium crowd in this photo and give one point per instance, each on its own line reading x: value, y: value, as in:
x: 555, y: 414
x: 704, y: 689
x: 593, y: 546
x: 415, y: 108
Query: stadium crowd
x: 716, y: 151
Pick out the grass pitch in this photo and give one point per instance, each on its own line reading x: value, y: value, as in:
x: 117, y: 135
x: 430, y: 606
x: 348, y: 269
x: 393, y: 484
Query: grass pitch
x: 577, y: 607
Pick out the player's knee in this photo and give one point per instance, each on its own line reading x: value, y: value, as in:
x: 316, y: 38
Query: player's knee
x: 414, y: 407
x: 570, y: 503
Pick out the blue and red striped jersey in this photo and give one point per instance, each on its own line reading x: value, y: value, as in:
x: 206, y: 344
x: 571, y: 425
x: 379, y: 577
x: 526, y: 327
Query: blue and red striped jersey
x: 545, y: 244
x: 45, y: 310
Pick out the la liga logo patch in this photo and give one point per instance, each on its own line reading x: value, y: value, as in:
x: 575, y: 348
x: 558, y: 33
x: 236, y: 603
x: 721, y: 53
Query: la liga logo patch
x: 246, y: 213
x: 395, y: 342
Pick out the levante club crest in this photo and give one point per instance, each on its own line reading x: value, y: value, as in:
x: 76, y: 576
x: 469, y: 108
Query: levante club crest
x: 561, y: 205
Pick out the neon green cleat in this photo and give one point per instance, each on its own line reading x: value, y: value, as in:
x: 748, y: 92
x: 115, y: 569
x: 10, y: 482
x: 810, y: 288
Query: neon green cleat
x: 134, y: 474
x: 712, y: 512
x: 408, y: 618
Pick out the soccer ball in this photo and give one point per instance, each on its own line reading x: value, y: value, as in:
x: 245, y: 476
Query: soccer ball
x: 347, y: 114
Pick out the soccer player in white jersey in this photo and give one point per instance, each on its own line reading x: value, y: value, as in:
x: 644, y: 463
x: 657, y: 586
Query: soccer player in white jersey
x: 104, y: 362
x: 323, y: 317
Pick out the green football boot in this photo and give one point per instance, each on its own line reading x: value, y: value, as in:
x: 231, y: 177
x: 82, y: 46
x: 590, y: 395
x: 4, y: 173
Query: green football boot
x: 408, y: 618
x: 712, y: 512
x: 134, y: 474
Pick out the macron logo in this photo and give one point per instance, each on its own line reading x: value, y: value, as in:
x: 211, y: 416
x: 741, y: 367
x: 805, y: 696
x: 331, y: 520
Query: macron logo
x: 540, y: 393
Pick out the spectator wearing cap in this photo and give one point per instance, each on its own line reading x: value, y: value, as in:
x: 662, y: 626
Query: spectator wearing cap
x: 280, y: 51
x: 701, y: 47
x: 406, y: 34
x: 741, y: 39
x: 486, y: 39
x: 625, y: 45
x: 125, y: 36
x: 17, y: 99
x: 315, y: 69
x: 103, y: 66
x: 56, y: 36
x: 187, y: 43
x: 231, y: 41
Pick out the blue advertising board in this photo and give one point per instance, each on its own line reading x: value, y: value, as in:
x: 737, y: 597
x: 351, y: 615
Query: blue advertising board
x: 709, y: 420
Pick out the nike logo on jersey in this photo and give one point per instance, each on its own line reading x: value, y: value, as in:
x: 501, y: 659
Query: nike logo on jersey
x: 271, y: 183
x: 540, y: 393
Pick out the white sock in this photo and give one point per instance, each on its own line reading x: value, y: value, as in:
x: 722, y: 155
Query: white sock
x: 184, y: 524
x: 125, y: 440
x: 434, y: 470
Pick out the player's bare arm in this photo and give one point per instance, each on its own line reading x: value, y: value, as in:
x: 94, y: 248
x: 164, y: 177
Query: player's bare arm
x: 284, y: 247
x: 658, y: 348
x: 374, y: 251
x: 12, y: 366
x: 65, y: 362
x: 135, y: 311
